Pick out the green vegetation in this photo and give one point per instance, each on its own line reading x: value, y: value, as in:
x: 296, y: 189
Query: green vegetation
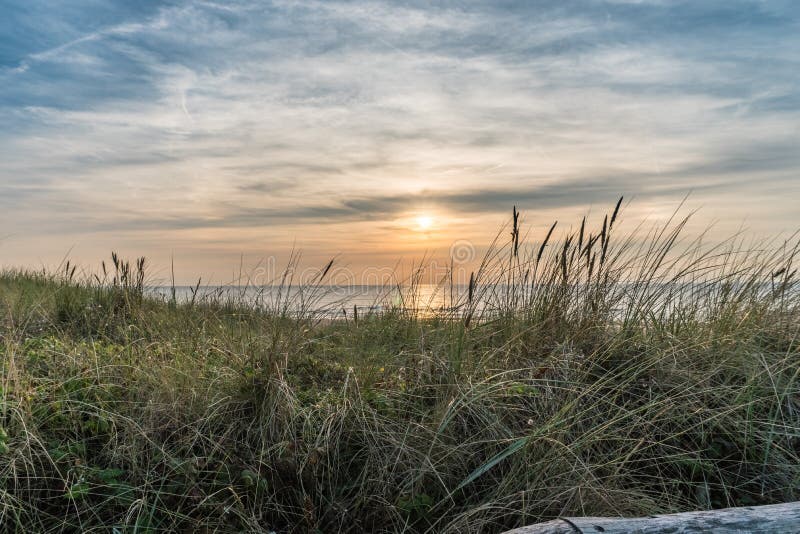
x: 586, y: 375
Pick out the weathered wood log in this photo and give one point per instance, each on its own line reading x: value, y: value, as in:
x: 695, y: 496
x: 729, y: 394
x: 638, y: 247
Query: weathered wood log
x: 774, y: 518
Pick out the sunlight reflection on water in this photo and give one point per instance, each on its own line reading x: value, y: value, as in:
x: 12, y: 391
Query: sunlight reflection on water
x: 423, y: 299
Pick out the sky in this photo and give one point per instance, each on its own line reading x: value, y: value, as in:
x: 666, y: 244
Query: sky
x: 216, y: 134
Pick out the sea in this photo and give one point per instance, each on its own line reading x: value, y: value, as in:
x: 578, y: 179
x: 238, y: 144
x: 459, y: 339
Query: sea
x: 324, y: 300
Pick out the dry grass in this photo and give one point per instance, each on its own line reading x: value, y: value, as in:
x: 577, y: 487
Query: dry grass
x: 581, y: 375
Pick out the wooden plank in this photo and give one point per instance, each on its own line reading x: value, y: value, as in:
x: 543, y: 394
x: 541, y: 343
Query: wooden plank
x: 556, y: 526
x: 774, y: 518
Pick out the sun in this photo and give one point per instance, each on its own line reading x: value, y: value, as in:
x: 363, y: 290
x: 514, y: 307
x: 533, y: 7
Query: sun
x: 424, y: 222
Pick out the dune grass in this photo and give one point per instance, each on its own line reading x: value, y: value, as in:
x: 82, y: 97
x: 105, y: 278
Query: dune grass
x: 579, y: 374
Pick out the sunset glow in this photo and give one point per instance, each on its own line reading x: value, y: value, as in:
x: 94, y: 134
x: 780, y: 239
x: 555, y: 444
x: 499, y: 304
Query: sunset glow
x: 424, y: 222
x: 210, y: 132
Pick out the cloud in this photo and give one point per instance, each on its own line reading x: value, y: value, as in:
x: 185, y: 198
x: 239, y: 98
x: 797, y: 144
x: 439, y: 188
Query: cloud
x: 709, y: 177
x: 201, y: 114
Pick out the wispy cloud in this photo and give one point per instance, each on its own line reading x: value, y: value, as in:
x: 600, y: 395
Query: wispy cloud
x: 198, y: 114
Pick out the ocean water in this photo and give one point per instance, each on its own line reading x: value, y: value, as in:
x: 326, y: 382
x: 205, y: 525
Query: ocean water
x: 430, y: 300
x: 325, y: 300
